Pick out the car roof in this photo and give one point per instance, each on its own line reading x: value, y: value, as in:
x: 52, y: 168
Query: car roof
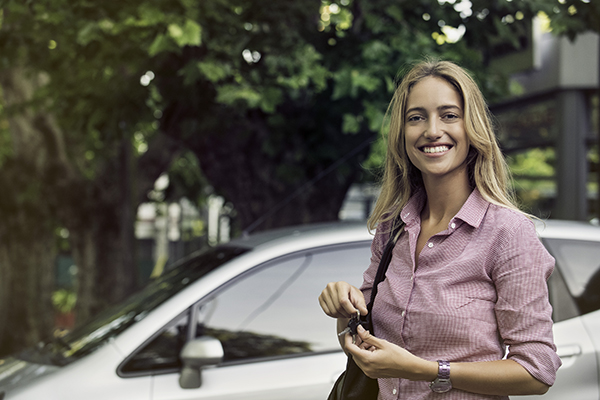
x: 562, y: 229
x: 327, y: 233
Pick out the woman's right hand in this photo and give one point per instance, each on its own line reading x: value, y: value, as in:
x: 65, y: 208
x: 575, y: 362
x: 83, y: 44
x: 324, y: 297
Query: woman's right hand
x: 341, y: 300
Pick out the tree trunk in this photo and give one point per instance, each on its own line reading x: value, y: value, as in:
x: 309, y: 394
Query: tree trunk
x: 45, y: 190
x: 27, y: 254
x: 100, y: 217
x: 28, y: 316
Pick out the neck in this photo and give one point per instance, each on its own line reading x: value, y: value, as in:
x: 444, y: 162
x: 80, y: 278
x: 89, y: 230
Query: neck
x: 445, y: 197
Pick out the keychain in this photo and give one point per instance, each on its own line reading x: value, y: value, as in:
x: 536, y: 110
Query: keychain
x: 353, y: 324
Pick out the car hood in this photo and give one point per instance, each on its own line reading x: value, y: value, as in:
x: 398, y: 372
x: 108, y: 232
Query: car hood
x: 15, y: 372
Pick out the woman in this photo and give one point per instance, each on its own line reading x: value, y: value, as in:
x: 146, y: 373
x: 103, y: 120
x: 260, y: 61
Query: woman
x: 465, y: 292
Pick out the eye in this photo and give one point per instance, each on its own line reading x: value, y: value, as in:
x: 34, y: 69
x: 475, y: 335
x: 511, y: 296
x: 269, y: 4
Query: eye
x: 451, y: 116
x: 414, y: 118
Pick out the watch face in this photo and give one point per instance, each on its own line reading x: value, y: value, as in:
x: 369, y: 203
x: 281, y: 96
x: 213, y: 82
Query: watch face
x: 441, y: 385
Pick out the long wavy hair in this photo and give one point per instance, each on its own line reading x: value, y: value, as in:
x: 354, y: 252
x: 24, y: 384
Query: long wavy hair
x: 486, y: 166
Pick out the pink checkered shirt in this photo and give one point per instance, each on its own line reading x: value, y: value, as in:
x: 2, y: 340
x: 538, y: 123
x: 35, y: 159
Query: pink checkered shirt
x: 480, y: 287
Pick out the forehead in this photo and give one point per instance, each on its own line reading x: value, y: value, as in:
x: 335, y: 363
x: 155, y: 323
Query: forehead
x: 433, y: 90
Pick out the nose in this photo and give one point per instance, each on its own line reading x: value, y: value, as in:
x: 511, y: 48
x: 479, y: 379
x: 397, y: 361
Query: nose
x: 433, y: 130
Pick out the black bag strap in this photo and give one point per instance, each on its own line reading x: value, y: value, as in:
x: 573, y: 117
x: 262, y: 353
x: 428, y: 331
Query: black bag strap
x: 384, y: 263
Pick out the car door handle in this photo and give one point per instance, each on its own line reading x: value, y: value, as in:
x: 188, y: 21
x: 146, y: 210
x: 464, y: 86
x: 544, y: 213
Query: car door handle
x: 571, y: 350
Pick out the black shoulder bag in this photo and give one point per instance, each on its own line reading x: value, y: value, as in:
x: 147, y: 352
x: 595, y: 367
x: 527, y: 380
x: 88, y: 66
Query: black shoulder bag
x: 353, y: 384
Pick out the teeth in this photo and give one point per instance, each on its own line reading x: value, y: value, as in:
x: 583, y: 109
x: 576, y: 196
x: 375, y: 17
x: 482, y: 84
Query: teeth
x: 437, y: 149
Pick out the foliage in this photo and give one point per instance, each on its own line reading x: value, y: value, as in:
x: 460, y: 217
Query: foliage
x: 533, y: 172
x: 571, y: 17
x: 64, y: 300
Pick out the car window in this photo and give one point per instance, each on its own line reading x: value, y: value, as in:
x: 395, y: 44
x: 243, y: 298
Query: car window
x: 271, y: 311
x: 114, y: 320
x: 162, y: 353
x: 579, y: 265
x: 274, y: 311
x: 563, y: 304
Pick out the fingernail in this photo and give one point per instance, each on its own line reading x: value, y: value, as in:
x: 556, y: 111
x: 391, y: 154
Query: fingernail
x: 360, y: 328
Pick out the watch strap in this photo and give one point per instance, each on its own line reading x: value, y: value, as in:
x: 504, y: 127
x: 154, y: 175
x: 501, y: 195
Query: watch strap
x: 443, y: 370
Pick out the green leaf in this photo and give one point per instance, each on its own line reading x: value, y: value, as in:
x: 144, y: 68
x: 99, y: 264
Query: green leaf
x: 375, y: 115
x: 350, y: 123
x: 88, y: 33
x: 150, y: 15
x: 271, y: 97
x: 213, y: 71
x: 161, y: 43
x: 395, y: 12
x: 231, y: 94
x: 190, y: 34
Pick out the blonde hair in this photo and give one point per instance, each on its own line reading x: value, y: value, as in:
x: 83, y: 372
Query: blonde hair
x: 486, y: 166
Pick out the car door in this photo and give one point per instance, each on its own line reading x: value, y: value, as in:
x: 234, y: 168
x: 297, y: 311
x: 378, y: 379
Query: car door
x: 278, y: 344
x: 574, y: 290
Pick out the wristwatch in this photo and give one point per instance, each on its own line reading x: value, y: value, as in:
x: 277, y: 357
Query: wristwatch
x: 442, y: 383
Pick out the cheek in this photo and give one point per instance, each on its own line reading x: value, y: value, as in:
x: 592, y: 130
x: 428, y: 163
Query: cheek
x: 409, y: 149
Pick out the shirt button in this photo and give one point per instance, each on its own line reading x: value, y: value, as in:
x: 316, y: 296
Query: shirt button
x: 402, y: 313
x: 394, y: 391
x: 453, y: 225
x: 430, y: 245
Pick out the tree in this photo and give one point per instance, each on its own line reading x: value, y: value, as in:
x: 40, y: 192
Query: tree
x: 71, y: 107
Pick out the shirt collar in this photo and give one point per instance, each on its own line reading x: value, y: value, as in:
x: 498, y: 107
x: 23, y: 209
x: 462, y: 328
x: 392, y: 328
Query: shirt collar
x: 474, y: 209
x: 412, y: 209
x: 472, y: 212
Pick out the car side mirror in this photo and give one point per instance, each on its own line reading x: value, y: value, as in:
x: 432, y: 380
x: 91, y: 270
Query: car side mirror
x: 198, y: 353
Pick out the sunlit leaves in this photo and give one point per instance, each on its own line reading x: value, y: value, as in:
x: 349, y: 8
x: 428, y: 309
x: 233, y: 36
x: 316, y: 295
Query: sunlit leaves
x: 351, y: 123
x: 570, y: 17
x: 302, y: 69
x: 214, y: 71
x: 349, y: 82
x: 188, y: 34
x: 336, y: 16
x: 162, y: 43
x: 536, y: 162
x: 232, y: 94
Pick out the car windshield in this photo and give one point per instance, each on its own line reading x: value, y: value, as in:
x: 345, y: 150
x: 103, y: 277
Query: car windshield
x: 111, y: 322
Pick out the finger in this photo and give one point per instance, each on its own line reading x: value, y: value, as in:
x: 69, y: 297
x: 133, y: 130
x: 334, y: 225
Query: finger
x: 350, y: 342
x: 340, y: 298
x: 358, y: 300
x: 356, y: 351
x: 325, y: 307
x: 369, y: 339
x: 329, y: 302
x: 348, y: 299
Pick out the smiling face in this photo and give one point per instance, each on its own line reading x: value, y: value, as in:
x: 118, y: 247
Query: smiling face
x: 435, y: 137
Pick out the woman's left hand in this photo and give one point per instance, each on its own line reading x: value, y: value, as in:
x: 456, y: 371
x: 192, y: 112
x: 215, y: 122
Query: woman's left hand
x: 379, y: 358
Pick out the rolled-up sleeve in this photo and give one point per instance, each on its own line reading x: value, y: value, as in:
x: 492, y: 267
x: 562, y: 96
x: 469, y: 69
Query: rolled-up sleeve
x: 523, y: 311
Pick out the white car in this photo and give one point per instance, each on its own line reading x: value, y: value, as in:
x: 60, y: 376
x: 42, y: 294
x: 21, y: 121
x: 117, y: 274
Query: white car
x: 242, y: 321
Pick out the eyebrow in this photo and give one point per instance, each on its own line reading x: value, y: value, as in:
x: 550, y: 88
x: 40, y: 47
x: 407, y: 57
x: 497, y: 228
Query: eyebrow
x: 440, y: 108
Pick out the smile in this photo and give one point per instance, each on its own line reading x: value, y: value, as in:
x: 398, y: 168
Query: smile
x: 436, y: 149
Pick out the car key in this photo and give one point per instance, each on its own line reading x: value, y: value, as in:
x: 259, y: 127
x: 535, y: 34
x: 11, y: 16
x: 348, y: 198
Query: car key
x: 352, y: 326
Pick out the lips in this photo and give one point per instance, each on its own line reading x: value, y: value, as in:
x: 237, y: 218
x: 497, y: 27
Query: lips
x: 435, y: 149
